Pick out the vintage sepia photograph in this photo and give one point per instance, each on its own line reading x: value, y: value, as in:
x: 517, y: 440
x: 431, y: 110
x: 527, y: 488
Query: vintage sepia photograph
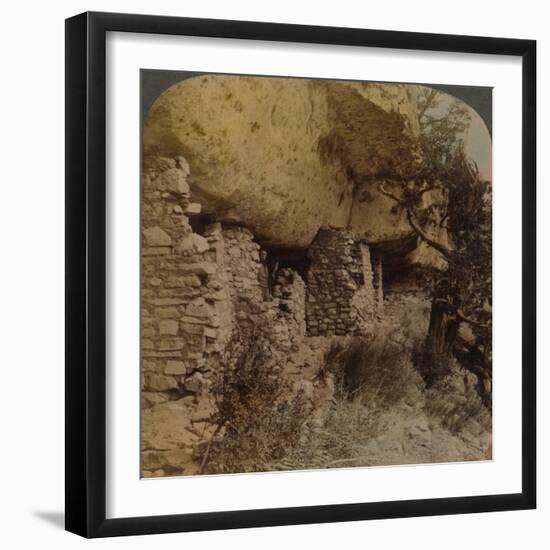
x: 316, y: 274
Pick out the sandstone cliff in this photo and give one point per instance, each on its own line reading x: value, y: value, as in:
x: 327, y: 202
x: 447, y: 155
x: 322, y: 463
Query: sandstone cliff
x: 282, y: 157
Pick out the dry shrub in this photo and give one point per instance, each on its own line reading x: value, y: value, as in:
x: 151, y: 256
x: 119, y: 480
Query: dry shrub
x: 257, y: 412
x: 455, y: 402
x: 374, y: 368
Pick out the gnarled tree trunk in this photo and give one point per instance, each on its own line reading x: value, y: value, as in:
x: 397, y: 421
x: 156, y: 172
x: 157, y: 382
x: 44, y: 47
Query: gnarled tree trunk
x: 440, y: 341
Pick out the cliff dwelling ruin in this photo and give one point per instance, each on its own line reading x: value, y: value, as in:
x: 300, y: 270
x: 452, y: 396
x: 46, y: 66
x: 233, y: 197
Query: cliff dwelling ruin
x: 261, y: 218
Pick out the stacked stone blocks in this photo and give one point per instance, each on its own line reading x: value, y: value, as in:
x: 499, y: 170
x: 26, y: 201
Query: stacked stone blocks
x: 340, y: 294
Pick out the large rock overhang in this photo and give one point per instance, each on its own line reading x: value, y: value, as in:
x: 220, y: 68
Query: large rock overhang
x: 286, y: 156
x: 282, y: 156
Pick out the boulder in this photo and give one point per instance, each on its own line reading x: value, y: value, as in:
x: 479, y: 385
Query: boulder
x: 192, y: 244
x: 158, y: 382
x: 175, y: 368
x: 155, y: 236
x: 168, y: 327
x: 274, y: 153
x: 173, y: 181
x: 195, y: 383
x: 166, y: 426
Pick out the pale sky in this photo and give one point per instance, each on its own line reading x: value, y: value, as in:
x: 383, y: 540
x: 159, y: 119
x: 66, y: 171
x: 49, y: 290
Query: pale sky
x: 477, y: 140
x: 478, y: 145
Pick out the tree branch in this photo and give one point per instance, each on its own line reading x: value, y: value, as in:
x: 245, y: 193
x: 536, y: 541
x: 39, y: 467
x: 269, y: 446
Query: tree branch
x: 473, y: 174
x: 429, y: 99
x: 440, y: 247
x: 429, y: 187
x: 384, y: 191
x: 470, y: 321
x: 461, y: 317
x: 207, y: 451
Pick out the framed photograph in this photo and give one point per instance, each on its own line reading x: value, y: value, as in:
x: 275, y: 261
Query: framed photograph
x: 300, y: 274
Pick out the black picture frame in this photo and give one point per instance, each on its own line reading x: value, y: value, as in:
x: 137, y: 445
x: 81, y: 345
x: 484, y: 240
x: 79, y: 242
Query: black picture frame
x: 86, y: 274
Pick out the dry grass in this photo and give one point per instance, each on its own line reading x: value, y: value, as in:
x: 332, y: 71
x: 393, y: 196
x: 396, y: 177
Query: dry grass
x: 339, y: 442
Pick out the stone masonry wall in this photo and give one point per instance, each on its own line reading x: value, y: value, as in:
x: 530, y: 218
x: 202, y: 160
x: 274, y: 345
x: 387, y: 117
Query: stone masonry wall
x: 184, y: 300
x: 273, y: 308
x: 196, y: 291
x: 185, y: 320
x: 340, y: 294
